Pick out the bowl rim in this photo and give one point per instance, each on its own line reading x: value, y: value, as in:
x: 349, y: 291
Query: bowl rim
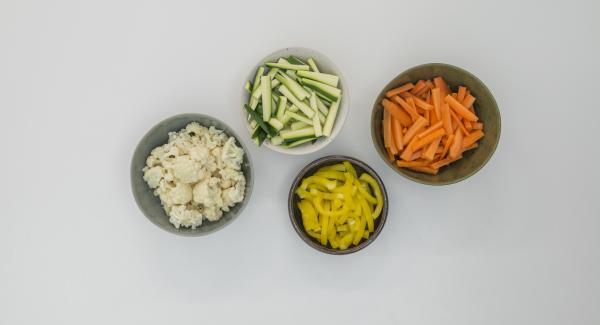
x: 374, y: 137
x: 341, y: 118
x: 299, y: 229
x: 249, y: 184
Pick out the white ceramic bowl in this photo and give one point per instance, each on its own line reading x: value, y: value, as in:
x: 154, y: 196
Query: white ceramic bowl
x: 326, y: 66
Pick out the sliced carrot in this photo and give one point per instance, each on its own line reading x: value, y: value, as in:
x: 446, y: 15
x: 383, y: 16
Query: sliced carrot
x: 462, y: 92
x: 460, y: 109
x: 447, y: 145
x: 397, y: 134
x: 477, y: 126
x: 459, y: 123
x: 405, y: 95
x: 457, y: 144
x: 446, y: 119
x: 472, y: 138
x: 408, y: 108
x: 416, y: 163
x: 430, y: 129
x: 446, y: 161
x: 387, y: 130
x: 432, y: 149
x: 473, y: 146
x: 467, y: 125
x: 408, y: 153
x: 420, y: 85
x: 437, y: 102
x: 428, y: 116
x: 429, y: 84
x: 440, y: 83
x: 397, y: 112
x: 391, y: 156
x: 422, y: 104
x: 468, y: 101
x: 396, y: 91
x: 427, y: 170
x: 414, y: 129
x: 416, y: 155
x: 428, y: 139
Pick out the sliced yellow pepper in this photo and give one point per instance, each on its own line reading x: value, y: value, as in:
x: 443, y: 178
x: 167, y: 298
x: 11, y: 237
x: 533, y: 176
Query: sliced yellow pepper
x: 364, y: 192
x: 373, y: 183
x: 366, y: 212
x: 329, y: 184
x: 331, y: 174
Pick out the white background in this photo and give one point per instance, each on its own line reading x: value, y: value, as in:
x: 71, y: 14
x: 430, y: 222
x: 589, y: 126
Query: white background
x: 81, y: 82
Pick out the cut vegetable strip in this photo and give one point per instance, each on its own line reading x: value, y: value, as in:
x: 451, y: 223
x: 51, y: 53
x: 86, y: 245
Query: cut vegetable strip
x: 397, y: 112
x: 460, y: 109
x: 287, y: 66
x: 313, y: 65
x: 399, y: 90
x: 472, y: 138
x: 265, y: 83
x: 321, y: 88
x: 301, y: 105
x: 408, y: 108
x: 333, y: 110
x: 397, y: 133
x: 325, y: 78
x: 457, y: 144
x: 412, y: 131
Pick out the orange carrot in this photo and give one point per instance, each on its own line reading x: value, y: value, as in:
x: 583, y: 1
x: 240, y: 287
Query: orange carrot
x: 440, y: 83
x: 416, y: 155
x: 408, y: 153
x: 416, y: 163
x: 447, y: 145
x: 441, y: 163
x: 457, y: 144
x: 397, y: 112
x: 427, y: 170
x: 408, y: 108
x: 428, y: 139
x: 399, y: 90
x: 446, y: 119
x: 432, y: 149
x: 477, y: 126
x: 460, y: 109
x: 387, y: 131
x: 397, y: 134
x: 467, y: 125
x: 413, y: 130
x: 429, y: 84
x: 437, y: 102
x: 430, y: 129
x: 468, y: 101
x: 472, y: 138
x: 422, y: 104
x: 420, y: 85
x: 405, y: 95
x: 462, y: 92
x: 459, y: 123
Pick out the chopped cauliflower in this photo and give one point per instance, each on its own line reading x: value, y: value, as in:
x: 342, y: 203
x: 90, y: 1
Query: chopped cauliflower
x: 197, y: 175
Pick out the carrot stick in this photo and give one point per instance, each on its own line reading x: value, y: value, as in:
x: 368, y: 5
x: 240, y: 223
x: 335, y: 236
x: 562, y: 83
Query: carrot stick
x: 468, y: 101
x: 430, y: 129
x: 396, y: 91
x: 405, y: 95
x: 473, y: 146
x: 446, y: 119
x: 397, y: 134
x: 397, y: 112
x: 387, y: 130
x: 440, y: 83
x: 428, y: 139
x: 428, y: 116
x: 441, y: 163
x: 413, y: 130
x: 408, y: 154
x: 429, y: 84
x: 437, y: 102
x: 447, y: 145
x: 422, y: 104
x: 427, y: 170
x: 477, y: 126
x: 457, y: 144
x: 472, y: 138
x: 467, y: 125
x: 406, y: 164
x: 460, y: 109
x: 420, y: 85
x: 432, y: 149
x: 411, y: 101
x: 462, y: 92
x: 390, y: 155
x: 458, y: 122
x: 408, y: 108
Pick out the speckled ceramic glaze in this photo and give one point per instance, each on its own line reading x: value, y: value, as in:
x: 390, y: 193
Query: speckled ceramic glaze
x: 151, y: 205
x: 485, y: 106
x: 296, y: 216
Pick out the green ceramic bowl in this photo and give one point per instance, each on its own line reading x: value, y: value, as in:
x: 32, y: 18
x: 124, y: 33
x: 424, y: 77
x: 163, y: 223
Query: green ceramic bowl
x: 485, y: 106
x: 296, y: 216
x: 143, y: 194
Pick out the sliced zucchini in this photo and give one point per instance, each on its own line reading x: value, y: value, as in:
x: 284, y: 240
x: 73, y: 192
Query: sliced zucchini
x: 301, y: 105
x: 313, y: 65
x: 298, y: 117
x: 276, y: 140
x: 299, y: 142
x: 292, y: 134
x: 326, y: 90
x: 293, y: 108
x: 288, y: 66
x: 248, y: 87
x: 295, y: 60
x: 275, y: 123
x: 293, y: 86
x: 316, y: 121
x: 321, y: 106
x: 333, y: 110
x: 268, y: 129
x: 281, y: 106
x: 265, y: 83
x: 325, y: 78
x: 299, y: 125
x: 259, y: 72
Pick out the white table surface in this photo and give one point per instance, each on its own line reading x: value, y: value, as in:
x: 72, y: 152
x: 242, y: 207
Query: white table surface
x: 81, y: 82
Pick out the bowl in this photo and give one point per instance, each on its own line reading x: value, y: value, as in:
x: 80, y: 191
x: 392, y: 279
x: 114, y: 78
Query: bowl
x: 325, y: 65
x: 296, y: 217
x: 151, y: 206
x: 485, y: 106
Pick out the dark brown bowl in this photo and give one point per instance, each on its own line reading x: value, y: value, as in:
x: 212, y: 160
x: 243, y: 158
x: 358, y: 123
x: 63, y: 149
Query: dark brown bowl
x: 296, y: 217
x: 485, y: 106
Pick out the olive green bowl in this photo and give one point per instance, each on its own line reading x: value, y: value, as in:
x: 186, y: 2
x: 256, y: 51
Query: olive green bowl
x: 150, y: 205
x: 485, y: 107
x: 296, y: 216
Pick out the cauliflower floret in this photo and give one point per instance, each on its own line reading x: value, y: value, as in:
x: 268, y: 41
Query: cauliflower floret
x: 233, y: 195
x: 186, y: 170
x: 200, y: 154
x: 153, y: 175
x: 212, y: 213
x: 181, y: 215
x: 177, y: 193
x: 208, y: 192
x: 194, y: 129
x: 232, y: 155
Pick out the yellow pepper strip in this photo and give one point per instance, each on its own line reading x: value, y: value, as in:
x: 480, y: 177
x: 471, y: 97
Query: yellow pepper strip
x: 302, y: 193
x: 350, y: 168
x: 364, y: 193
x: 313, y: 234
x: 331, y: 174
x: 324, y: 228
x: 373, y: 183
x: 326, y: 196
x: 329, y: 184
x: 342, y: 228
x: 360, y: 229
x: 316, y: 187
x: 366, y: 211
x: 346, y: 240
x: 336, y: 167
x: 366, y: 235
x: 309, y: 215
